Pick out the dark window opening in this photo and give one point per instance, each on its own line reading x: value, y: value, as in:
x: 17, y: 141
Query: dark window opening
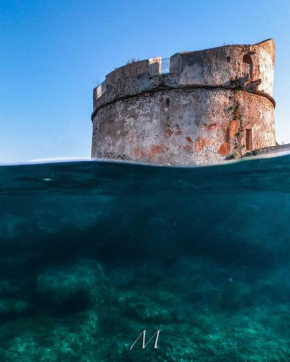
x: 228, y: 59
x: 167, y: 101
x: 247, y: 59
x: 248, y: 64
x: 249, y: 140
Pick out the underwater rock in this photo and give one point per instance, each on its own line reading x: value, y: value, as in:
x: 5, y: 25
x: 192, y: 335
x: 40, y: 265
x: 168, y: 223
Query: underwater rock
x: 69, y: 289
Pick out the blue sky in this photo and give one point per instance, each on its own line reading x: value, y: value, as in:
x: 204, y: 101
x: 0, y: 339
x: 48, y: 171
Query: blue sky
x: 54, y: 52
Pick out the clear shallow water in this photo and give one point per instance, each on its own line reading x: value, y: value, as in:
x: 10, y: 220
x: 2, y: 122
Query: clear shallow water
x: 93, y: 253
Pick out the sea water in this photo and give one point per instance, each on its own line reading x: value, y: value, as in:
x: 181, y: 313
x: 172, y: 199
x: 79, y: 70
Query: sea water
x: 95, y: 254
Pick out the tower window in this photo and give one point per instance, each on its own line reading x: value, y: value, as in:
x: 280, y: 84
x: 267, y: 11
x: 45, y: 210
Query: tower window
x: 249, y: 140
x: 228, y: 59
x: 247, y: 59
x: 248, y: 65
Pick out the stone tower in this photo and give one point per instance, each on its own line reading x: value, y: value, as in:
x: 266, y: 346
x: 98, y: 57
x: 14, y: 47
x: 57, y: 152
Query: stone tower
x: 197, y: 107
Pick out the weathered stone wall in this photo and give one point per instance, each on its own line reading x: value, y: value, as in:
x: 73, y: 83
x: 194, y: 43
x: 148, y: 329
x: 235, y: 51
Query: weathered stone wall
x: 213, y: 104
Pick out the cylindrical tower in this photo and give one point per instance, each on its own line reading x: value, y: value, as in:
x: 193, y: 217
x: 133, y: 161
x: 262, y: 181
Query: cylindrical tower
x: 207, y: 106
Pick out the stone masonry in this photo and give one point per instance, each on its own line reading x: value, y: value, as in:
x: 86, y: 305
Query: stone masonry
x: 209, y: 106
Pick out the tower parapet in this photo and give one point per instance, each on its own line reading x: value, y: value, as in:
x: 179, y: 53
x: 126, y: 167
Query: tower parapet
x: 207, y: 106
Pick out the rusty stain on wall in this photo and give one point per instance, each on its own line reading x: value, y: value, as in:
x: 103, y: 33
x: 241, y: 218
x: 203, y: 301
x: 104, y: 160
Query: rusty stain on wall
x: 188, y: 139
x: 200, y: 143
x: 224, y: 149
x: 155, y: 150
x: 233, y: 128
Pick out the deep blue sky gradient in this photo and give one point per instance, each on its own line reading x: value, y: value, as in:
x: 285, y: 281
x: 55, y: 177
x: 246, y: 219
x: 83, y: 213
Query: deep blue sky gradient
x: 54, y: 52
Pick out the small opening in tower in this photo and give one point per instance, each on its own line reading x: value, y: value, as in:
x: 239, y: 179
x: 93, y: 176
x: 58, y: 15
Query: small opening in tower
x: 229, y: 59
x: 167, y: 101
x: 247, y: 59
x: 249, y: 140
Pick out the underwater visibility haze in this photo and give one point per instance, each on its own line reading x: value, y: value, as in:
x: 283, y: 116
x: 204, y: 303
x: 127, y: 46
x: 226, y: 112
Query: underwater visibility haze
x: 93, y: 253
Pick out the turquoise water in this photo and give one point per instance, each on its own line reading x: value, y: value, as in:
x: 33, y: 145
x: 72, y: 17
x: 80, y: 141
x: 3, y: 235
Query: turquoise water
x: 93, y: 253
